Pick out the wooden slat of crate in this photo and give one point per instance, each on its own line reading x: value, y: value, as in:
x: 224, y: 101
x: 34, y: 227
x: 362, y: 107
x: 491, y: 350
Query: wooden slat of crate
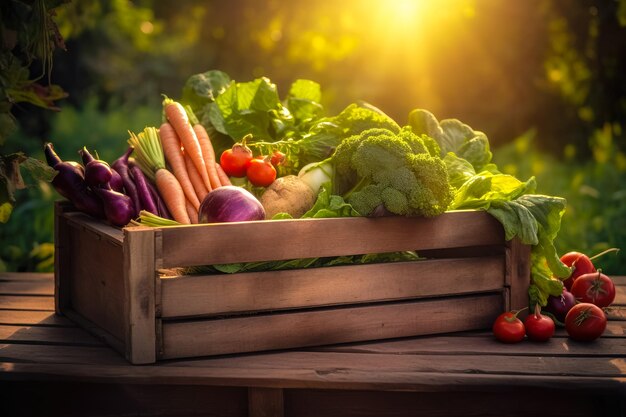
x: 96, y: 279
x: 206, y: 295
x: 291, y: 239
x: 326, y: 326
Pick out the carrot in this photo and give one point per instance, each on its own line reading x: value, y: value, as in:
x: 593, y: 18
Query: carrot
x: 174, y: 157
x: 177, y: 117
x: 208, y: 152
x: 224, y: 180
x: 195, y: 179
x: 192, y: 213
x: 149, y: 153
x: 173, y: 195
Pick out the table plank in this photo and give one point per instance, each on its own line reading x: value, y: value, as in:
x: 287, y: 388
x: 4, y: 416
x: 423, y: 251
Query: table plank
x: 33, y: 318
x: 71, y: 336
x: 33, y: 287
x: 30, y: 302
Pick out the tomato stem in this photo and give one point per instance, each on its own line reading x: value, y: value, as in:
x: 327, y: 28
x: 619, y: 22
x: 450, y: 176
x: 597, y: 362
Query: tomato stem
x: 604, y: 253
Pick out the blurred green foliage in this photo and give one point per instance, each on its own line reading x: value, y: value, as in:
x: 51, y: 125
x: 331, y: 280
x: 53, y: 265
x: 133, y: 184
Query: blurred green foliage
x: 555, y: 67
x: 595, y: 191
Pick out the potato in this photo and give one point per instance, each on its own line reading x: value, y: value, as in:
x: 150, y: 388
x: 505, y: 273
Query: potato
x: 288, y: 194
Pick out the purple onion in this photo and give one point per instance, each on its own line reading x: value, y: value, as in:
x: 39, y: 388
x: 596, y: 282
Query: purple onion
x: 560, y: 305
x: 230, y: 204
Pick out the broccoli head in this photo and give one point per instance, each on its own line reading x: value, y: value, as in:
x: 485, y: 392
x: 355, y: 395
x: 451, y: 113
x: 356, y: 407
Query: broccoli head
x: 400, y: 170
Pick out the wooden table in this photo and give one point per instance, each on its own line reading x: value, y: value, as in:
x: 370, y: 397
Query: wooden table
x: 50, y: 367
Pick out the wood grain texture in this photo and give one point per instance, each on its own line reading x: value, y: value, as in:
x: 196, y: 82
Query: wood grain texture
x: 223, y: 243
x: 34, y: 287
x: 517, y: 273
x: 96, y: 276
x: 265, y: 402
x: 62, y: 258
x: 29, y: 302
x: 139, y: 279
x: 70, y: 336
x: 33, y: 318
x: 318, y: 327
x: 223, y: 294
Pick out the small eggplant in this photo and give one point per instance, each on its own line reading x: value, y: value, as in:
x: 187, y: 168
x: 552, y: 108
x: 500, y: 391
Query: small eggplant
x: 70, y: 183
x: 98, y: 173
x: 118, y: 207
x: 120, y: 165
x: 147, y: 202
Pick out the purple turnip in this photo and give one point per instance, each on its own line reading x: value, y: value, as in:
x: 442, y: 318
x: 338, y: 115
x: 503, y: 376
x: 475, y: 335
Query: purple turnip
x: 560, y: 305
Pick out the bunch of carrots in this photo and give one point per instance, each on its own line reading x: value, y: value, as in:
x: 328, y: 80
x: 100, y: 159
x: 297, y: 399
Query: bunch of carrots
x: 191, y: 171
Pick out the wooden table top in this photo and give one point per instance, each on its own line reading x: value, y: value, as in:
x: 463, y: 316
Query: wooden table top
x: 50, y: 354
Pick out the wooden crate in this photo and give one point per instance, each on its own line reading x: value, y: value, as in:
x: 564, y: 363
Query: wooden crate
x: 110, y: 281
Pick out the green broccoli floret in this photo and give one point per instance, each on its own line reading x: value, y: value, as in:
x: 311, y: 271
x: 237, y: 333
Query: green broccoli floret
x: 357, y: 118
x: 396, y: 170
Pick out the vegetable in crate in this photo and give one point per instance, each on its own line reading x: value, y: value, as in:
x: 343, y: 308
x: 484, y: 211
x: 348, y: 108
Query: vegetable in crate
x: 70, y: 183
x: 118, y: 208
x: 230, y: 204
x: 151, y: 161
x: 98, y: 173
x: 401, y: 173
x: 288, y: 194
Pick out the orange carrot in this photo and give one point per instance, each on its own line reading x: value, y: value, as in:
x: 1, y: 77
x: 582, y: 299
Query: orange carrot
x: 191, y: 212
x: 195, y: 179
x: 173, y: 195
x: 177, y: 117
x: 224, y: 180
x: 174, y: 157
x: 208, y: 153
x: 149, y: 156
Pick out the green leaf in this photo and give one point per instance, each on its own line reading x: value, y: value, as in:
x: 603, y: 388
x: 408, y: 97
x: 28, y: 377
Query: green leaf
x: 306, y: 90
x: 39, y: 170
x: 6, y: 209
x: 328, y: 205
x: 485, y: 188
x: 201, y: 89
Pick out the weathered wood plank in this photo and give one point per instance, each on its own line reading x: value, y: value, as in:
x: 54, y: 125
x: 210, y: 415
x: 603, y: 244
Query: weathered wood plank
x: 63, y: 256
x: 517, y: 273
x: 33, y: 318
x: 97, y: 280
x: 26, y: 302
x: 63, y: 355
x: 139, y: 303
x: 25, y: 276
x: 32, y: 287
x: 112, y: 234
x: 204, y: 295
x: 308, y: 328
x: 265, y: 402
x: 320, y: 376
x: 451, y: 345
x: 47, y: 335
x: 222, y: 243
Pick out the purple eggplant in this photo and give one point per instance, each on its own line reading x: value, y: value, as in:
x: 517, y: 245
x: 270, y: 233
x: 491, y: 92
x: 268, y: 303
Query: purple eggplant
x: 121, y: 166
x: 70, y: 183
x: 147, y: 202
x: 98, y: 173
x: 161, y: 207
x: 118, y: 207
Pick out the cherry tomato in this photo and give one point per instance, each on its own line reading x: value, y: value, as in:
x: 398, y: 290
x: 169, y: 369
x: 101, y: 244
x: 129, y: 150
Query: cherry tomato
x: 261, y: 172
x: 595, y: 288
x: 585, y: 322
x: 508, y: 328
x: 539, y: 328
x: 560, y: 305
x: 581, y: 263
x: 277, y: 158
x: 235, y: 161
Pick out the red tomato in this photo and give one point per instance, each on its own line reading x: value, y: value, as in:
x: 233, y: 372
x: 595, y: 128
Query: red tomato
x: 595, y: 288
x: 508, y: 328
x: 261, y: 172
x: 585, y: 322
x: 235, y: 161
x: 277, y: 158
x: 581, y: 263
x: 539, y: 328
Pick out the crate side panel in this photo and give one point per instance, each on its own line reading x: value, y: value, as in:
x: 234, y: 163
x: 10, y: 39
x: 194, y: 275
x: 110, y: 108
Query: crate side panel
x: 304, y: 238
x: 328, y: 326
x: 97, y: 284
x: 223, y: 294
